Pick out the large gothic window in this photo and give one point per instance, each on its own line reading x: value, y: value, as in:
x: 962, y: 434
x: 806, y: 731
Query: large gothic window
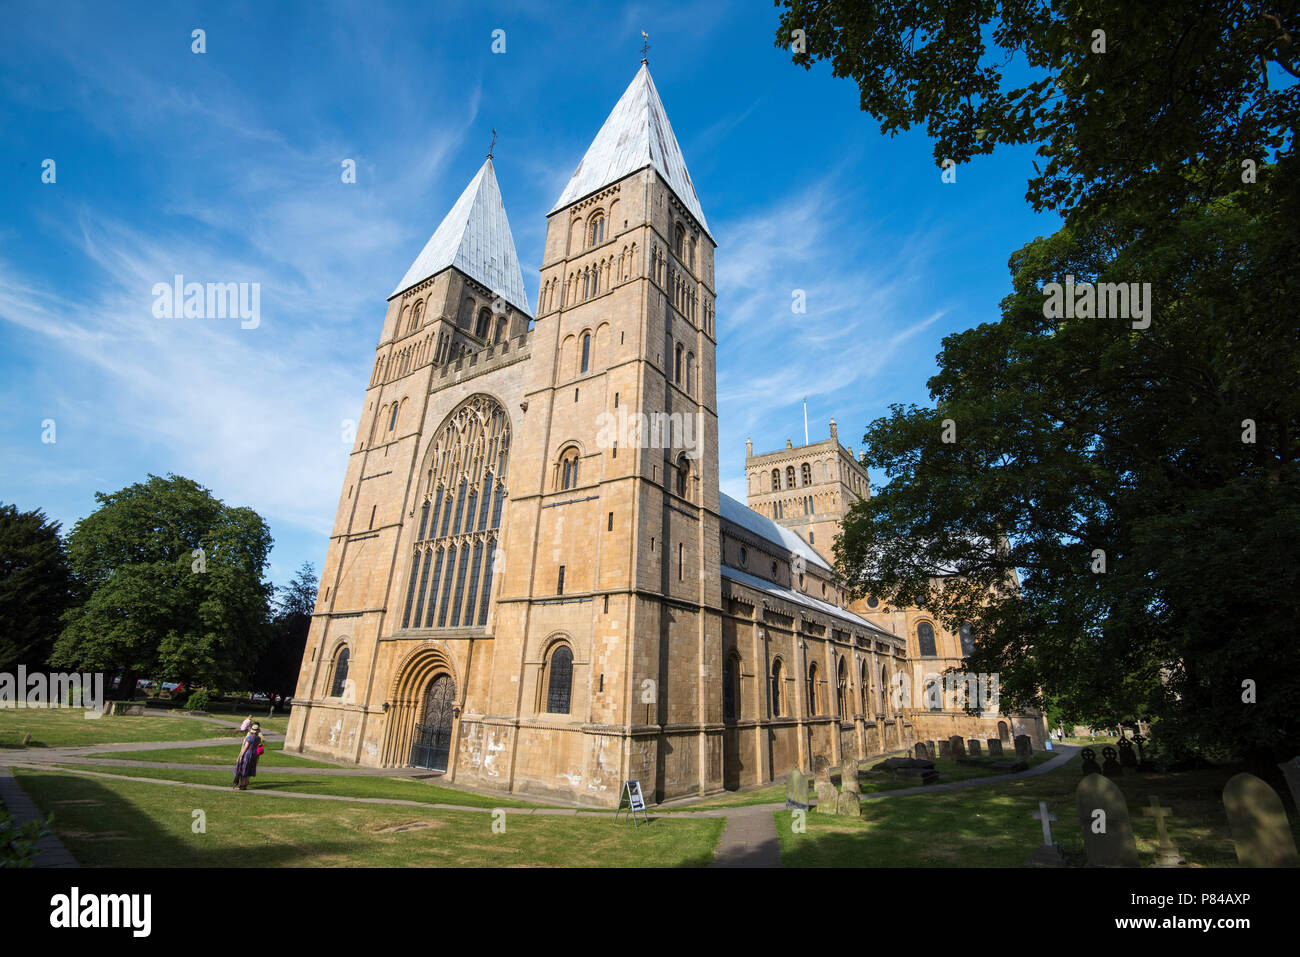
x: 925, y: 638
x: 462, y: 494
x: 484, y: 325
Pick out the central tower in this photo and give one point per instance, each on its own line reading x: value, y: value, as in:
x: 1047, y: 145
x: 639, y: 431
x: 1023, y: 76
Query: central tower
x: 611, y: 556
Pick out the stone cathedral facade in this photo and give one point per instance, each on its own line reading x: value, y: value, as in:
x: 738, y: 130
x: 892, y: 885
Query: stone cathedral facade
x: 533, y: 582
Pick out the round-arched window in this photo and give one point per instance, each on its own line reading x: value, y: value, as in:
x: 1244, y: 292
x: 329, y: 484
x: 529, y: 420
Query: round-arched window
x: 925, y: 638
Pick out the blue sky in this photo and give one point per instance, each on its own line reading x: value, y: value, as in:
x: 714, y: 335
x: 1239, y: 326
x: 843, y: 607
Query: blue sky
x: 225, y: 166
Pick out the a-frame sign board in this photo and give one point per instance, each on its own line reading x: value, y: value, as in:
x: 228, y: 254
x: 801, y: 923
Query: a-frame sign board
x: 632, y: 802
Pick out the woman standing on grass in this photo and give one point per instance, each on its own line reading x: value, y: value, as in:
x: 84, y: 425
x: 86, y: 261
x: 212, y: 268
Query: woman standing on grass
x: 246, y: 763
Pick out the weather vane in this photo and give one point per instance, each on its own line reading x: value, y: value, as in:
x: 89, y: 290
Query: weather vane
x: 645, y: 46
x: 493, y: 144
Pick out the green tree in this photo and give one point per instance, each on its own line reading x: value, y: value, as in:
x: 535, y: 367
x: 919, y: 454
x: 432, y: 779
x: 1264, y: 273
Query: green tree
x: 1158, y: 114
x: 34, y: 587
x: 1171, y: 449
x: 277, y: 670
x: 172, y: 584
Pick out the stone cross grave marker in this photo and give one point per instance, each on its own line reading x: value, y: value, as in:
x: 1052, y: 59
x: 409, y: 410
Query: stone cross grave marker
x: 1259, y: 825
x: 1090, y: 765
x: 1166, y: 853
x: 1109, y: 766
x: 1103, y: 818
x: 1127, y: 759
x: 1046, y: 854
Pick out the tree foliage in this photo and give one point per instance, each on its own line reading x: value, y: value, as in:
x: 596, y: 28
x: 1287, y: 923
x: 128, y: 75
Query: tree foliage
x: 277, y: 670
x: 170, y: 581
x: 34, y: 587
x: 1169, y: 153
x: 1164, y: 117
x: 1084, y: 436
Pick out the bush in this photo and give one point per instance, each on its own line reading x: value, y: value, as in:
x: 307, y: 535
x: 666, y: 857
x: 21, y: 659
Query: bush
x: 18, y: 842
x: 198, y: 701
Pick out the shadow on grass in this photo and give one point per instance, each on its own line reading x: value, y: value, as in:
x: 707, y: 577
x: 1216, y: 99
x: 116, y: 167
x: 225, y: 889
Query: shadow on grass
x: 102, y: 828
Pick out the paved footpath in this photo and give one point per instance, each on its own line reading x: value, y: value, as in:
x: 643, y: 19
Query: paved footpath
x: 23, y: 809
x: 749, y: 839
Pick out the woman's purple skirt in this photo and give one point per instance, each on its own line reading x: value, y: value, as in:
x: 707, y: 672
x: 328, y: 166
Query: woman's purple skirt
x: 246, y: 767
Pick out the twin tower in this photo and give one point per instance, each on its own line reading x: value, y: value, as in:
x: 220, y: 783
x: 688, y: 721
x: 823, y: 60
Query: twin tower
x: 522, y: 584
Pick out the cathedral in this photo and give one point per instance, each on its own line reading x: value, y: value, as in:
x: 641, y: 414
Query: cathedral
x: 534, y: 583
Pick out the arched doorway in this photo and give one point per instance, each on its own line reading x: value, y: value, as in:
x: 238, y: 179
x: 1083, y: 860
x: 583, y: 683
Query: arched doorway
x: 431, y: 742
x: 1004, y: 733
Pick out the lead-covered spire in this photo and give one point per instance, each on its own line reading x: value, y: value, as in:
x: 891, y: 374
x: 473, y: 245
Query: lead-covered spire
x: 636, y: 134
x: 475, y: 238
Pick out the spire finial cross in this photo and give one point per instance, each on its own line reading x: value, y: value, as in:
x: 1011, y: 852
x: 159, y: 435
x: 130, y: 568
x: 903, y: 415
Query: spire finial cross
x: 645, y: 47
x: 493, y: 144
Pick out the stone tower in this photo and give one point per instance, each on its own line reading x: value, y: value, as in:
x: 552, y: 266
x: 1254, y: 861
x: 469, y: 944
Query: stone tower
x: 522, y: 587
x: 807, y: 488
x: 612, y: 546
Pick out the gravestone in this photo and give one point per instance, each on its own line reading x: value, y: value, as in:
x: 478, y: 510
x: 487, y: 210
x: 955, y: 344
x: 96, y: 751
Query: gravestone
x: 1090, y: 765
x: 995, y: 748
x: 1259, y: 825
x: 1109, y: 766
x: 957, y: 746
x: 945, y: 749
x: 1046, y: 854
x: 827, y: 797
x: 849, y: 803
x: 1103, y: 818
x: 1024, y: 747
x: 1127, y: 759
x: 974, y: 745
x: 849, y: 776
x: 1291, y: 770
x: 1166, y: 853
x: 796, y: 791
x: 920, y: 751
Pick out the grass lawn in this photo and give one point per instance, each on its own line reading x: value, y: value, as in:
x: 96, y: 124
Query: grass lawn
x: 106, y: 823
x: 991, y: 826
x: 69, y: 727
x: 274, y: 755
x: 368, y: 786
x: 869, y: 783
x: 950, y: 770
